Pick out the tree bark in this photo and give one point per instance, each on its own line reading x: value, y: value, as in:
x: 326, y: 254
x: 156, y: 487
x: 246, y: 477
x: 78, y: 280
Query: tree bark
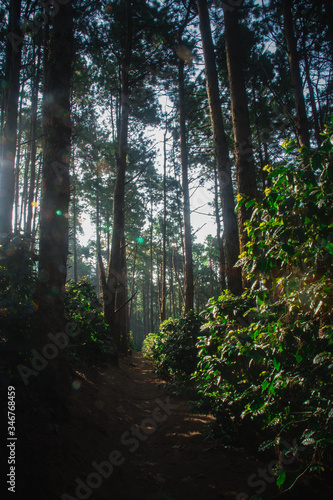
x: 296, y: 79
x: 23, y: 215
x: 17, y: 167
x: 311, y: 94
x: 100, y: 269
x: 115, y: 309
x: 245, y: 169
x: 164, y: 263
x: 33, y: 134
x: 75, y: 274
x: 36, y: 215
x: 10, y: 112
x: 219, y: 237
x: 130, y: 312
x: 234, y: 276
x: 329, y: 21
x: 53, y: 243
x: 188, y: 275
x: 151, y: 280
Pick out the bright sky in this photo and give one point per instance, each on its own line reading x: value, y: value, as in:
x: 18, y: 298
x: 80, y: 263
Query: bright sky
x: 202, y: 224
x: 200, y: 198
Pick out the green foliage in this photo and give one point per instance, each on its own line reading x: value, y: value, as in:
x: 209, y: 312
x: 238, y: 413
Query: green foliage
x: 132, y: 342
x: 265, y: 359
x: 290, y: 252
x: 83, y: 308
x: 149, y: 344
x: 270, y: 368
x: 259, y: 370
x: 174, y: 348
x: 17, y: 282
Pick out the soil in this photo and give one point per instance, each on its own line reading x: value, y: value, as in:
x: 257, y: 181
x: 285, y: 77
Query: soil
x: 128, y: 439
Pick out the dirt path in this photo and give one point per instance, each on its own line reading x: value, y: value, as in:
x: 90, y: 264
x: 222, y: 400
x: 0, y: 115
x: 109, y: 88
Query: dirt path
x: 158, y: 448
x: 128, y: 440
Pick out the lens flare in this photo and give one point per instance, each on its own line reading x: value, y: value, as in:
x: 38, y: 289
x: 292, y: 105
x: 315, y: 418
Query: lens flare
x: 76, y: 384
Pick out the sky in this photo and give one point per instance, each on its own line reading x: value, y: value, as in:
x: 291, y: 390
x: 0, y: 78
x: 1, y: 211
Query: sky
x: 202, y: 224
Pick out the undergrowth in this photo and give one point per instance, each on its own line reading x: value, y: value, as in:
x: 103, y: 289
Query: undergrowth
x: 262, y: 362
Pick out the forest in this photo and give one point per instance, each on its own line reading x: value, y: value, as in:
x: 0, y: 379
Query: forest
x: 166, y: 213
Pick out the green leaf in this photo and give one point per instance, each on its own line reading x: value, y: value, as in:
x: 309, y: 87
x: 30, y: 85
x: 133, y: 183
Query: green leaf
x: 265, y: 384
x: 299, y: 358
x: 276, y: 365
x: 250, y: 203
x: 281, y: 479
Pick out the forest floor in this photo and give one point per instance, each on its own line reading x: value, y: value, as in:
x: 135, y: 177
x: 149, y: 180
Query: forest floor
x: 128, y: 439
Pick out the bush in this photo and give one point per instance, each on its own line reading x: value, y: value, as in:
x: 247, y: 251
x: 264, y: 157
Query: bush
x: 265, y: 359
x: 84, y: 309
x: 174, y: 349
x: 269, y: 368
x: 273, y: 377
x: 17, y: 284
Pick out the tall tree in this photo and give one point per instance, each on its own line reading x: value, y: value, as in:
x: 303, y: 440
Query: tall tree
x: 33, y: 148
x: 296, y: 79
x: 53, y: 243
x: 244, y: 160
x: 10, y: 112
x: 115, y: 310
x: 188, y: 267
x: 234, y: 277
x: 164, y: 228
x: 329, y: 21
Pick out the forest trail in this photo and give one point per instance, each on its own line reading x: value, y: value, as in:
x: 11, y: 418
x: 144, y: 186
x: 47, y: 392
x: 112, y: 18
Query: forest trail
x: 162, y: 449
x: 127, y: 439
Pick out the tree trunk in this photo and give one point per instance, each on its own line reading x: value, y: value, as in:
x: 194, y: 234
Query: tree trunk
x: 10, y: 112
x: 258, y: 134
x: 188, y: 268
x: 100, y: 269
x: 75, y: 274
x: 53, y: 244
x: 23, y: 216
x: 151, y: 280
x: 311, y: 94
x: 33, y: 149
x: 329, y: 21
x: 296, y: 79
x: 130, y: 312
x: 245, y: 169
x: 219, y: 237
x: 108, y: 235
x: 145, y: 296
x: 123, y: 312
x: 35, y: 216
x: 117, y: 279
x: 163, y: 277
x: 172, y: 304
x: 17, y: 168
x: 234, y: 276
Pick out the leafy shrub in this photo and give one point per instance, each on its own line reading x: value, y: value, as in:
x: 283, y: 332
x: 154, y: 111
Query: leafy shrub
x: 17, y: 282
x: 84, y: 309
x: 174, y: 348
x: 270, y: 368
x: 290, y: 252
x: 148, y: 344
x: 265, y: 359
